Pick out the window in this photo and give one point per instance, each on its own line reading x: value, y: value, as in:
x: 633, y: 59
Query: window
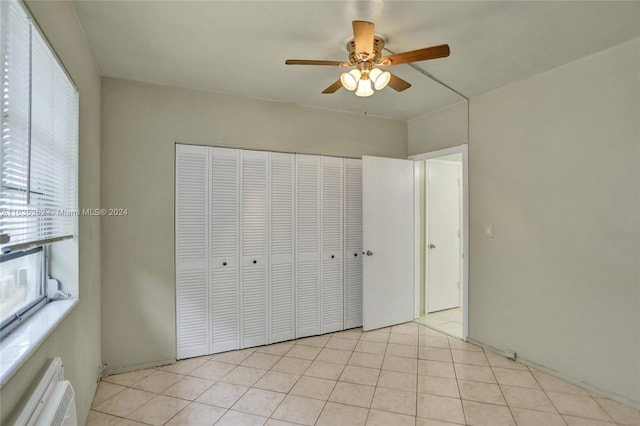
x: 38, y: 160
x: 21, y: 284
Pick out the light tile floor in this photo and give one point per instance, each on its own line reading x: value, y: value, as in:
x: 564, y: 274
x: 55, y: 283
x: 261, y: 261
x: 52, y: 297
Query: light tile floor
x: 403, y: 375
x: 448, y: 321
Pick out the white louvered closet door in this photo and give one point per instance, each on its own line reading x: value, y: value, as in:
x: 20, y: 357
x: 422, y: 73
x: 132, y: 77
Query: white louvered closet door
x: 332, y: 198
x: 224, y: 207
x: 281, y: 241
x: 353, y: 243
x: 254, y: 305
x: 308, y: 216
x: 192, y: 284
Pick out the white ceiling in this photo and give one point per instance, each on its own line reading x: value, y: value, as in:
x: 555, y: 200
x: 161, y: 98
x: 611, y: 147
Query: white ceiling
x: 239, y: 47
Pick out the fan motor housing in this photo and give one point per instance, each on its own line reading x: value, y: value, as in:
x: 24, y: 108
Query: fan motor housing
x: 372, y: 60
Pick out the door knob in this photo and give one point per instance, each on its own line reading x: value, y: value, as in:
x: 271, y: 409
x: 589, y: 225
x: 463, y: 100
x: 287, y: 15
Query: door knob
x: 369, y: 253
x: 432, y: 246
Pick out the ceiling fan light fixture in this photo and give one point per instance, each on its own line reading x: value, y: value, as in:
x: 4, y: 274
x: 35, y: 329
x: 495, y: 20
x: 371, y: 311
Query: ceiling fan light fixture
x: 350, y: 79
x: 365, y: 54
x: 364, y: 88
x: 380, y: 78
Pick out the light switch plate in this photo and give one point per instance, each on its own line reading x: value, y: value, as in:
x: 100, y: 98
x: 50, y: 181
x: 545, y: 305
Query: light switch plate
x: 488, y: 231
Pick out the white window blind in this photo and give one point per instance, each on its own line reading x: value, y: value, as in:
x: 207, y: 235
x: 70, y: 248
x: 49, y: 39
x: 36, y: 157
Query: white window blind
x: 39, y: 137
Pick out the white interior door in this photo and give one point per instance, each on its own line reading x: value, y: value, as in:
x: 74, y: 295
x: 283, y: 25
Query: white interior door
x: 443, y: 235
x: 388, y: 288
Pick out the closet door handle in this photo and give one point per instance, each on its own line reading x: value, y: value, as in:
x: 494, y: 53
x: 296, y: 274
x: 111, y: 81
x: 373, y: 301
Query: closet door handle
x: 355, y: 254
x: 332, y: 256
x: 224, y: 263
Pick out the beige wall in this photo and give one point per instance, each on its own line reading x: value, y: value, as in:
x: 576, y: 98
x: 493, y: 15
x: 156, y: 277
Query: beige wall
x: 77, y: 339
x: 141, y: 123
x: 444, y: 128
x: 554, y: 166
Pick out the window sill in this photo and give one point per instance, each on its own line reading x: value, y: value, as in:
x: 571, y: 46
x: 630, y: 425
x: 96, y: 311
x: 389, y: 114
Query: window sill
x: 21, y: 343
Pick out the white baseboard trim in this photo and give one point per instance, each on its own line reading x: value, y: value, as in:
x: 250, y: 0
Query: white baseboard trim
x: 111, y: 371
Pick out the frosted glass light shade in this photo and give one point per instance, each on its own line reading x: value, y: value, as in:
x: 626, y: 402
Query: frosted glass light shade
x: 350, y: 79
x: 364, y: 88
x: 379, y: 78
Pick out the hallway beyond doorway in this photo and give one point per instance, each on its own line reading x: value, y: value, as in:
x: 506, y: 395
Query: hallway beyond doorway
x: 448, y: 321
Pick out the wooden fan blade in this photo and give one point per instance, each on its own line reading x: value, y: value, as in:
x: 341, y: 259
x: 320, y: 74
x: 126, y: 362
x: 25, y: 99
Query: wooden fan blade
x: 314, y: 62
x: 441, y: 51
x: 363, y: 32
x: 398, y: 84
x: 333, y: 88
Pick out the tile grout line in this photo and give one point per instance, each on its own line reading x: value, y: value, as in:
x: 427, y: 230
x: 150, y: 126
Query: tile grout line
x: 386, y: 348
x: 545, y: 393
x: 455, y: 374
x: 328, y: 396
x: 336, y: 384
x: 603, y: 409
x: 298, y: 380
x: 500, y: 388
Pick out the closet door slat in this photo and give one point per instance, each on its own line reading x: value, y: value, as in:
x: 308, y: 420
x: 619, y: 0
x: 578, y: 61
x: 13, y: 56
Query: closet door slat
x: 332, y: 287
x: 254, y: 305
x: 224, y: 249
x: 281, y: 265
x: 353, y: 243
x: 308, y: 216
x: 191, y: 221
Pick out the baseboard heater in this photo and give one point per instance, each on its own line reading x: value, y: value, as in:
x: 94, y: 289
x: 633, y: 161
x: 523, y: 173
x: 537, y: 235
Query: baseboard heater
x: 52, y: 403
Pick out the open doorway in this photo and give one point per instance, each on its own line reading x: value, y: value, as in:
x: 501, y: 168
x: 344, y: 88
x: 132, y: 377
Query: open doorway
x: 441, y: 241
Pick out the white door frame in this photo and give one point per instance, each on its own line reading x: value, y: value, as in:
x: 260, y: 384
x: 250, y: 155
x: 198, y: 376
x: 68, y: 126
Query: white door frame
x: 464, y: 150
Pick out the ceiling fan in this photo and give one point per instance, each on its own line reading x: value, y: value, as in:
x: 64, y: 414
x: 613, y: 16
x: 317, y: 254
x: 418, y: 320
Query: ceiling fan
x: 365, y: 54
